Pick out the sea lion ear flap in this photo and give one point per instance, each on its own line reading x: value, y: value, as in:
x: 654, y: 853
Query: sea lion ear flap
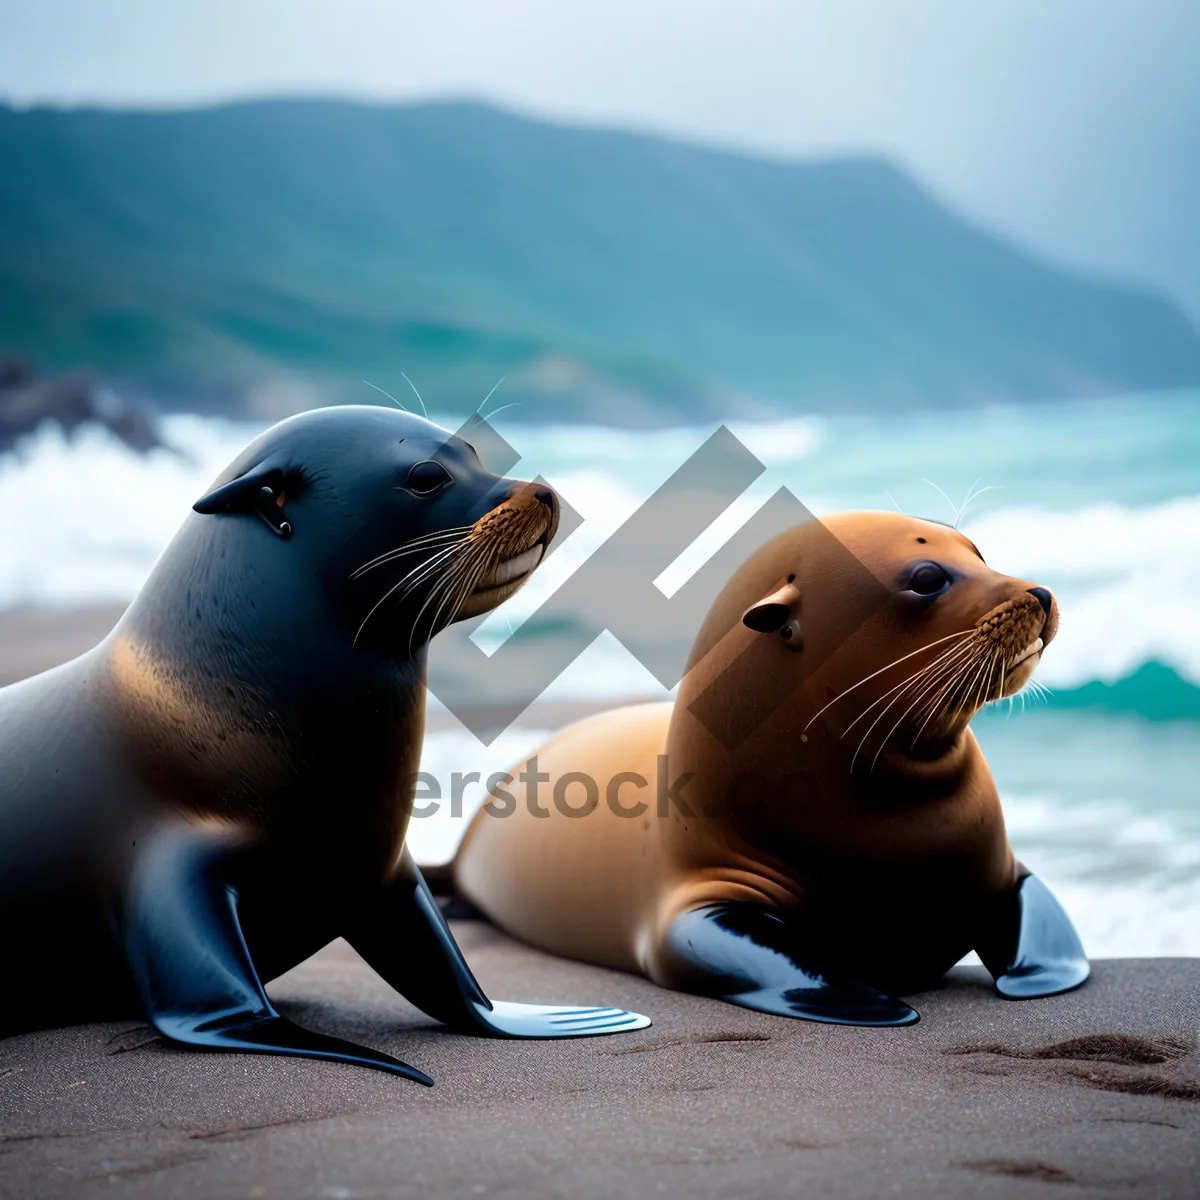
x: 260, y: 491
x: 767, y: 616
x: 777, y: 613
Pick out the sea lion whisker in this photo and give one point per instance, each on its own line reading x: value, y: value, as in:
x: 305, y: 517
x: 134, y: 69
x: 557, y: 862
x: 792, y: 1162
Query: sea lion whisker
x: 394, y: 555
x: 940, y: 702
x: 476, y: 555
x: 460, y: 567
x: 455, y: 599
x: 983, y: 693
x: 434, y: 591
x: 489, y: 396
x: 458, y: 586
x: 948, y: 679
x: 411, y: 546
x: 426, y: 570
x: 502, y: 408
x: 973, y: 495
x: 960, y: 699
x: 921, y: 682
x: 387, y: 394
x: 404, y: 551
x: 428, y: 565
x: 954, y: 650
x: 443, y: 587
x: 424, y: 410
x: 922, y: 692
x: 962, y: 633
x: 944, y: 701
x: 425, y: 538
x: 883, y: 712
x: 947, y: 499
x: 973, y: 696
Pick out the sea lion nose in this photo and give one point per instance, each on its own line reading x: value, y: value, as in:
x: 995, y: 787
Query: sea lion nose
x: 1043, y: 597
x: 546, y: 496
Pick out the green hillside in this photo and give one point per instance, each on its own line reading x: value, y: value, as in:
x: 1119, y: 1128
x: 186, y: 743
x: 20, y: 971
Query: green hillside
x: 199, y: 257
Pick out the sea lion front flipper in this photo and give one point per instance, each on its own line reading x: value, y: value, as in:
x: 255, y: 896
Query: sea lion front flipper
x: 748, y: 956
x: 406, y: 939
x: 184, y: 946
x: 1029, y: 944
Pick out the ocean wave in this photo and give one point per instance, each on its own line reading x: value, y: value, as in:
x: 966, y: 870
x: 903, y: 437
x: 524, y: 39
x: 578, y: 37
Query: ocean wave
x: 1154, y: 691
x: 1127, y: 582
x: 1129, y: 877
x: 86, y: 518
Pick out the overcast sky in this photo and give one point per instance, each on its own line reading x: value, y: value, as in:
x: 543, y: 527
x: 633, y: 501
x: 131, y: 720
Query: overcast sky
x: 1074, y: 124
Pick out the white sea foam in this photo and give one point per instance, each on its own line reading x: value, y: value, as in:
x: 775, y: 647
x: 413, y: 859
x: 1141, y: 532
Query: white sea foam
x: 1103, y: 811
x: 1129, y: 878
x: 83, y: 521
x: 1126, y: 580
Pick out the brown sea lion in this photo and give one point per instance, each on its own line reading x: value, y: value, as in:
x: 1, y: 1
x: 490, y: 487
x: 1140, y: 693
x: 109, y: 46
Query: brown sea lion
x: 224, y: 784
x: 811, y: 825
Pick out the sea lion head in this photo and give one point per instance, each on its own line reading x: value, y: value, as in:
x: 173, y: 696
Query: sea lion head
x: 397, y: 520
x: 875, y: 624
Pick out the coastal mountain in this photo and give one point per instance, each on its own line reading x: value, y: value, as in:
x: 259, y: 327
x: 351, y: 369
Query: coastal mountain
x: 262, y: 256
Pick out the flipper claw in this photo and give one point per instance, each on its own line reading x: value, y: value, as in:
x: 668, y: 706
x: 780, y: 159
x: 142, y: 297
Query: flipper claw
x: 508, y: 1019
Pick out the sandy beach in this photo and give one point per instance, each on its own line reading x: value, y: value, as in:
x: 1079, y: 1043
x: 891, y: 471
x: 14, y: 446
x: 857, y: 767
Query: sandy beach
x: 1081, y: 1094
x: 1091, y: 1094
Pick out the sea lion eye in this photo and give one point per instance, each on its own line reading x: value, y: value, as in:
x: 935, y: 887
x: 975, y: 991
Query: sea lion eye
x: 929, y: 579
x: 427, y: 477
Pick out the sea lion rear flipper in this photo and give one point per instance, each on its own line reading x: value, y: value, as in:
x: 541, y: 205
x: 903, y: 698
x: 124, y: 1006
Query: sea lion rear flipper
x: 1029, y: 944
x: 748, y: 956
x: 406, y: 939
x: 184, y: 946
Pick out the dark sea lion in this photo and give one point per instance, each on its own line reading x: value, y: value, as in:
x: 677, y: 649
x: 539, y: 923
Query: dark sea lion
x: 223, y: 785
x: 811, y: 825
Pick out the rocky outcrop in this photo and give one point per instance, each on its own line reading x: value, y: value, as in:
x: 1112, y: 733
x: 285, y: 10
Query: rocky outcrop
x: 71, y: 401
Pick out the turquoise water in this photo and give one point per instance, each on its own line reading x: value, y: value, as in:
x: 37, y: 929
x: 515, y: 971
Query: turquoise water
x: 1098, y: 500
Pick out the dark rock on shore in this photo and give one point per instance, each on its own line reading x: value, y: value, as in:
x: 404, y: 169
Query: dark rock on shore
x: 72, y: 401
